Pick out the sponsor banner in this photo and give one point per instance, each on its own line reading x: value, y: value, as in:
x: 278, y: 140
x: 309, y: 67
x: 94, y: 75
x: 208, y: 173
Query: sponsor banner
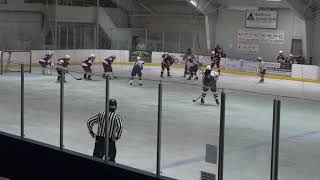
x: 272, y: 37
x: 248, y: 36
x: 252, y: 37
x: 262, y: 19
x: 272, y: 65
x: 145, y: 55
x: 248, y: 47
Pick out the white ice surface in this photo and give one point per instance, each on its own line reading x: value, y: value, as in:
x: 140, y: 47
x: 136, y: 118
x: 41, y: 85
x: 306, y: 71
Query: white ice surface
x: 187, y: 126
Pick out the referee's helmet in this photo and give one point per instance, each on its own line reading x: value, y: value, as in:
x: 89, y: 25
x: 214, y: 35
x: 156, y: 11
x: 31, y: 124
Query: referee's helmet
x: 112, y: 105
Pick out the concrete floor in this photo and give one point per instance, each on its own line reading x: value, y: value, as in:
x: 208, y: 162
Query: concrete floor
x: 187, y: 126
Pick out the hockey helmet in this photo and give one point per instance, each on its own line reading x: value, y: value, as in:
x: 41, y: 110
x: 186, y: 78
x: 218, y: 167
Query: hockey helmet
x: 259, y: 58
x: 139, y: 58
x: 92, y: 55
x: 213, y: 52
x: 291, y: 55
x: 208, y: 68
x: 112, y: 104
x: 50, y: 53
x: 67, y: 56
x: 280, y: 52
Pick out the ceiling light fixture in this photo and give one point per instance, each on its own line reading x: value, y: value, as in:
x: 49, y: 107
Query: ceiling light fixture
x: 193, y: 2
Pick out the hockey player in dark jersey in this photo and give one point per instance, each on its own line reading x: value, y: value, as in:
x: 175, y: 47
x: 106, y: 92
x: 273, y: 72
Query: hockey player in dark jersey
x: 209, y: 81
x: 46, y: 63
x: 215, y: 60
x: 86, y: 65
x: 137, y: 70
x: 107, y: 66
x: 281, y: 57
x: 62, y: 65
x: 166, y: 63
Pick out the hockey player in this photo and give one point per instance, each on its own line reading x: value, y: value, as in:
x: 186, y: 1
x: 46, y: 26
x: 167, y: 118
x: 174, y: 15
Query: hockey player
x: 192, y: 68
x: 107, y: 66
x: 281, y: 57
x: 86, y: 65
x: 209, y: 81
x: 46, y: 63
x: 187, y: 56
x: 167, y: 61
x: 137, y: 70
x: 261, y: 69
x: 291, y: 61
x: 215, y: 60
x: 218, y: 49
x: 62, y: 65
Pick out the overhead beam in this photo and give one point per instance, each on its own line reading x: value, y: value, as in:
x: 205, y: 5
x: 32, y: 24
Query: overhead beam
x: 166, y: 15
x: 299, y: 7
x: 148, y: 8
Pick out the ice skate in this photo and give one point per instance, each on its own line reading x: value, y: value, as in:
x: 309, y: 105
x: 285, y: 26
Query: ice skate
x: 202, y: 100
x: 217, y: 102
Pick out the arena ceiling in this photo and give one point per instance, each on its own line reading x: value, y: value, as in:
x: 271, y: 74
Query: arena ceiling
x: 306, y: 8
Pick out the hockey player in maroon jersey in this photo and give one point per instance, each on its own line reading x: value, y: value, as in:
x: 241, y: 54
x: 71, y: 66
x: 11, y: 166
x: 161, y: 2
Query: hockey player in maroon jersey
x: 62, y: 65
x: 86, y: 65
x: 281, y: 57
x: 107, y: 66
x: 166, y: 63
x: 209, y: 81
x: 46, y: 63
x: 215, y: 60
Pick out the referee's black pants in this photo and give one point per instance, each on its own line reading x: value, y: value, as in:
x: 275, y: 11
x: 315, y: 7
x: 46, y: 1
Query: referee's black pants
x: 99, y: 148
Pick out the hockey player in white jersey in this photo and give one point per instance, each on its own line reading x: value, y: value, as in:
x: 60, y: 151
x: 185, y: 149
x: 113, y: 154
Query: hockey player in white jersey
x: 137, y: 70
x: 209, y: 81
x: 192, y: 68
x: 261, y: 69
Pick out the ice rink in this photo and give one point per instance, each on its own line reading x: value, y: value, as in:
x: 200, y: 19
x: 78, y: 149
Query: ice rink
x: 187, y: 126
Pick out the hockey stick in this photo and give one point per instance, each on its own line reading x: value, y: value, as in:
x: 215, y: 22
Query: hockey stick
x: 74, y: 76
x: 195, y: 100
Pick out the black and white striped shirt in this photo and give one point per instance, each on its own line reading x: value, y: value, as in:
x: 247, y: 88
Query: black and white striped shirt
x: 115, y: 125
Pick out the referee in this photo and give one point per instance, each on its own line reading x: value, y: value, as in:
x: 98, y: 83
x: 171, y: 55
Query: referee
x: 115, y: 131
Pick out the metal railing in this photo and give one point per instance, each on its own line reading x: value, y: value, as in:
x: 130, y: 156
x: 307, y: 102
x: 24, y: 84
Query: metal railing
x: 275, y: 128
